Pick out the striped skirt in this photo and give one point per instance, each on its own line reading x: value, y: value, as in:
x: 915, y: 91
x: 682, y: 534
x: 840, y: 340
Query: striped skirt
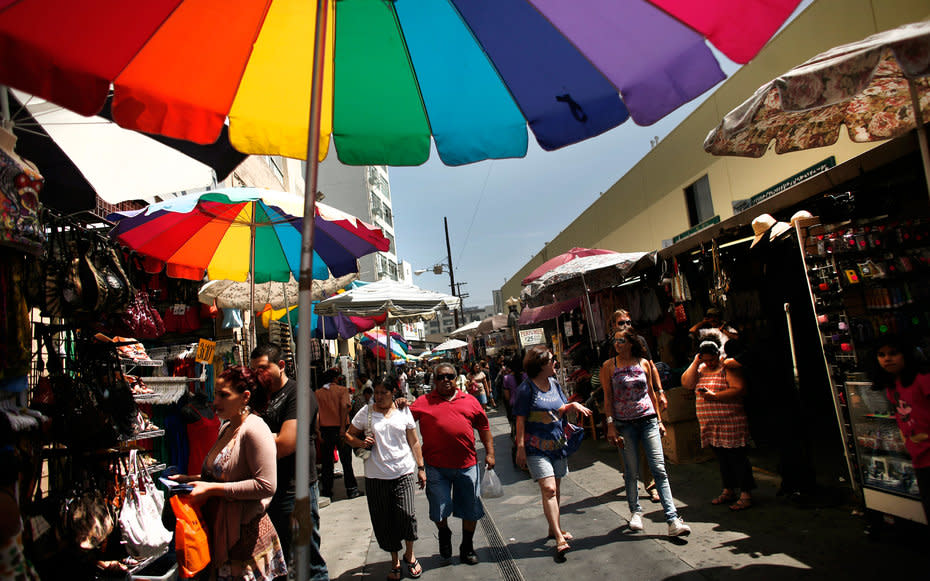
x: 390, y: 504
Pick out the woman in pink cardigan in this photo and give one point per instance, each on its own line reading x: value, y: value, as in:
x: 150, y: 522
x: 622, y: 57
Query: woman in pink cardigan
x: 238, y: 480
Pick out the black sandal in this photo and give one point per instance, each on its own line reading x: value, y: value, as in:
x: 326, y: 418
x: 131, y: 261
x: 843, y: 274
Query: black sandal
x: 396, y: 574
x: 411, y: 565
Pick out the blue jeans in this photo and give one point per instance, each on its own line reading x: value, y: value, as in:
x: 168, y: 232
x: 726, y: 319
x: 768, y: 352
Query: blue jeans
x: 318, y: 571
x: 645, y: 431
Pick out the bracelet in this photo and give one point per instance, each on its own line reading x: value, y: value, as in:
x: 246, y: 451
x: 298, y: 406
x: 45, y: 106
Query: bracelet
x: 421, y: 467
x: 609, y: 419
x: 660, y: 391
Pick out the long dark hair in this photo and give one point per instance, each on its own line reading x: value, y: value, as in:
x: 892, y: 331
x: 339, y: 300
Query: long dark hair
x: 637, y: 349
x: 881, y: 379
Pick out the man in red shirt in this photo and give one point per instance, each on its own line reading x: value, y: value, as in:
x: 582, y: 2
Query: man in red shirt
x: 448, y: 420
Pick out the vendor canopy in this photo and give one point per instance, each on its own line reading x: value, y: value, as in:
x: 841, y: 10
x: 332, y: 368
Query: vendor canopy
x: 531, y: 315
x: 591, y: 273
x: 398, y: 300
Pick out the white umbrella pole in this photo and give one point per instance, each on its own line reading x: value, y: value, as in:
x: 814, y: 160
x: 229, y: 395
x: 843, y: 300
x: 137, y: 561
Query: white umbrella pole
x: 252, y: 333
x: 587, y: 303
x: 302, y: 511
x: 921, y: 132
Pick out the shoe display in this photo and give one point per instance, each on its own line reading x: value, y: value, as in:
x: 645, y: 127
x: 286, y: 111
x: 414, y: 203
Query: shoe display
x: 678, y: 528
x: 636, y: 521
x: 354, y: 493
x: 467, y: 555
x: 445, y: 543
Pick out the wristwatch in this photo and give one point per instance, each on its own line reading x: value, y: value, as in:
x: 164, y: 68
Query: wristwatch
x: 421, y: 467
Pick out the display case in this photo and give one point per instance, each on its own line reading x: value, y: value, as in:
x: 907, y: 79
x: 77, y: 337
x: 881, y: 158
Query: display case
x: 868, y: 278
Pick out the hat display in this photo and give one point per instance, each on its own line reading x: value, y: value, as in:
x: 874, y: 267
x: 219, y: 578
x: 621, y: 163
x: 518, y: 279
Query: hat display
x: 761, y: 225
x: 778, y: 229
x: 800, y: 215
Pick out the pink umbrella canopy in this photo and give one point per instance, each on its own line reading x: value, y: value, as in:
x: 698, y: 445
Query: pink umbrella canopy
x: 562, y: 259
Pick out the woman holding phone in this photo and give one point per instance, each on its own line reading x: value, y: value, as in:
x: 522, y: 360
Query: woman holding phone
x: 724, y: 428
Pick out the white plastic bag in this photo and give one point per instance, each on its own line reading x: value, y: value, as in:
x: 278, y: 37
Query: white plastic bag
x: 491, y: 486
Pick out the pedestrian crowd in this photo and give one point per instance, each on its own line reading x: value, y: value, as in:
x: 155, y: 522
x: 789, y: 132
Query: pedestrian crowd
x: 246, y: 487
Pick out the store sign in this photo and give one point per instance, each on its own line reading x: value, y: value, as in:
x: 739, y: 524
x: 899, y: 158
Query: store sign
x: 696, y: 229
x: 818, y: 168
x: 205, y: 351
x: 530, y: 337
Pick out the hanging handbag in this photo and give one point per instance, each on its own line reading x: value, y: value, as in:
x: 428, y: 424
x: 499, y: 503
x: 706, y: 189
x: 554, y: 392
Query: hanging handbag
x: 141, y: 528
x: 190, y: 538
x: 573, y: 436
x: 363, y: 452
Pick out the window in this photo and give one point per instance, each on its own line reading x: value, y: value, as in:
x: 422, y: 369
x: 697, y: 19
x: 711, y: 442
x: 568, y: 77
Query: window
x: 700, y: 204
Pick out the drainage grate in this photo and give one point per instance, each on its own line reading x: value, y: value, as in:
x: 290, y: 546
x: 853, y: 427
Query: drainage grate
x: 499, y: 550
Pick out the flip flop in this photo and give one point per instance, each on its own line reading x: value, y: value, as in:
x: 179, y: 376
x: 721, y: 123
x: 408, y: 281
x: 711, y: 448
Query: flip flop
x: 395, y: 574
x: 560, y: 551
x: 741, y: 504
x: 411, y: 565
x: 724, y: 499
x: 565, y: 535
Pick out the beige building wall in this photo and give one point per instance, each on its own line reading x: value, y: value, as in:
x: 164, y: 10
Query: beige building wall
x: 647, y: 205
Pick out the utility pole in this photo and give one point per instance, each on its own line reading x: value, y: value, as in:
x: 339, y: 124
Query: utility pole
x: 445, y: 222
x: 462, y: 297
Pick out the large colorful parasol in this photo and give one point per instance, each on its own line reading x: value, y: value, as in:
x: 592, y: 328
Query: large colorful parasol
x: 470, y: 75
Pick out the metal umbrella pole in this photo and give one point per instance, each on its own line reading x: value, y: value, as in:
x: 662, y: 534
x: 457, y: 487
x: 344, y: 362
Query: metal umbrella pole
x: 794, y: 355
x: 921, y: 132
x: 587, y: 303
x: 302, y: 512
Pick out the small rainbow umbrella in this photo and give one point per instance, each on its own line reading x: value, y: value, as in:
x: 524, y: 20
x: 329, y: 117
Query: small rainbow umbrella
x: 229, y: 233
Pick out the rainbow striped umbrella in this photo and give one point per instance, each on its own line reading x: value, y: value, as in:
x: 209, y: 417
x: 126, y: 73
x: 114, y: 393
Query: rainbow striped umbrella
x: 222, y: 232
x: 469, y: 75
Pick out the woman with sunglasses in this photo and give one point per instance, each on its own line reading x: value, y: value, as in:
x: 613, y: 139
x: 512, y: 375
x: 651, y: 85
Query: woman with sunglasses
x: 633, y: 419
x: 540, y: 410
x: 623, y: 321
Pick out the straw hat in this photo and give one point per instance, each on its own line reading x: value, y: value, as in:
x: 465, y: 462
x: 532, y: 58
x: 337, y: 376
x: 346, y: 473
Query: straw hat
x: 778, y: 229
x: 800, y: 215
x: 761, y: 225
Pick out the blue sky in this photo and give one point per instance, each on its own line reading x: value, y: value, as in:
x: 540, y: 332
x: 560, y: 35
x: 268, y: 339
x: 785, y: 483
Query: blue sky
x: 502, y: 212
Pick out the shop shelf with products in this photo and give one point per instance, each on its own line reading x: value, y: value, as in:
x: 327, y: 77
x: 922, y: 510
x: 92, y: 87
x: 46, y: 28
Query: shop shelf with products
x: 868, y: 278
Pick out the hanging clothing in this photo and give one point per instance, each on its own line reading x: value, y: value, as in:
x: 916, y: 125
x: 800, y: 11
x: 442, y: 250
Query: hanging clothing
x: 201, y: 434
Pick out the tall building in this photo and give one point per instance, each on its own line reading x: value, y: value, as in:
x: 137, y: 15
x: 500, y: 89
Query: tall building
x: 363, y: 191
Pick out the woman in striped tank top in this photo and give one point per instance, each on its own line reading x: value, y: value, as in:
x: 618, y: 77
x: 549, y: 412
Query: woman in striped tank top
x: 724, y: 428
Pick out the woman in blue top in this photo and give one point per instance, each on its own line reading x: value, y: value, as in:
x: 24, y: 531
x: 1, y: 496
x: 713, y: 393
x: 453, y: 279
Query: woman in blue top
x: 630, y: 406
x: 539, y: 409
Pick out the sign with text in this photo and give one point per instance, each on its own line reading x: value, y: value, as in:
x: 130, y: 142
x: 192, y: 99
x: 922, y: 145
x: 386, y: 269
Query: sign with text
x: 742, y: 205
x: 530, y: 337
x: 205, y: 351
x: 696, y: 229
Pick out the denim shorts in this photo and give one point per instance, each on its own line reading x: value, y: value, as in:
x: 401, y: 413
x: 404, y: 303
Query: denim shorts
x: 453, y: 491
x: 543, y: 466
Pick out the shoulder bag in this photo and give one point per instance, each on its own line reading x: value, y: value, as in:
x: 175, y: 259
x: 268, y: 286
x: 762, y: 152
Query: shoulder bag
x: 140, y: 523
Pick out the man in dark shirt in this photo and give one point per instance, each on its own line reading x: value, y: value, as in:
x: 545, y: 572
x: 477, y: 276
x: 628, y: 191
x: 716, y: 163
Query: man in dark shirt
x: 281, y: 417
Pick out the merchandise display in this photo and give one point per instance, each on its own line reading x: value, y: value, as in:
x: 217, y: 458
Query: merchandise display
x: 870, y: 278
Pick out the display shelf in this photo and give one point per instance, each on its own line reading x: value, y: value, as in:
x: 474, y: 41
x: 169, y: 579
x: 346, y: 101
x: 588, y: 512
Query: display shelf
x: 145, y: 397
x: 145, y: 435
x: 167, y: 380
x: 141, y: 362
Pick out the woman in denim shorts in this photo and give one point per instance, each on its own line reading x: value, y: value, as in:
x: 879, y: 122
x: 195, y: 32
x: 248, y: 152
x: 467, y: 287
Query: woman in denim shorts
x: 539, y: 410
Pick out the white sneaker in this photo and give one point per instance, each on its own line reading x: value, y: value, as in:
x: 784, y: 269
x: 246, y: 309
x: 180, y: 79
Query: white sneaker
x: 636, y: 521
x: 678, y: 528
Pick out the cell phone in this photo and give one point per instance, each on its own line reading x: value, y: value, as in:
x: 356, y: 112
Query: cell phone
x: 702, y: 389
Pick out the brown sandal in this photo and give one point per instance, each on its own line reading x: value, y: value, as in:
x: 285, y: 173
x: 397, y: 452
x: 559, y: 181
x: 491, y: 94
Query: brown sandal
x: 741, y: 504
x: 724, y: 498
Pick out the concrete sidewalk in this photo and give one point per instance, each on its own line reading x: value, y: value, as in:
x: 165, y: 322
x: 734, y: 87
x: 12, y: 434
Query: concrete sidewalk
x: 774, y: 539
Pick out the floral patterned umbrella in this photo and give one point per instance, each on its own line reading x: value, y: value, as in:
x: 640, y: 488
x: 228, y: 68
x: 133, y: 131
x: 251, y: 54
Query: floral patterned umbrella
x: 871, y: 86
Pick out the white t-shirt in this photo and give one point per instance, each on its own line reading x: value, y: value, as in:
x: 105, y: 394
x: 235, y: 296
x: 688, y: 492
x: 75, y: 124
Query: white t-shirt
x: 391, y: 456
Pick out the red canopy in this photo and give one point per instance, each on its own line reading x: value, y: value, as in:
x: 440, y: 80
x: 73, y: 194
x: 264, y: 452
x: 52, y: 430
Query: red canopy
x: 530, y: 315
x: 562, y: 259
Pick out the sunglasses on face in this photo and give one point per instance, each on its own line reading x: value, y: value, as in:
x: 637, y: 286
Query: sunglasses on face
x: 624, y: 323
x: 445, y: 376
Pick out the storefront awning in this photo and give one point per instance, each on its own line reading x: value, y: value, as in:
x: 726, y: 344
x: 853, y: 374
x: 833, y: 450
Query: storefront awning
x: 531, y: 315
